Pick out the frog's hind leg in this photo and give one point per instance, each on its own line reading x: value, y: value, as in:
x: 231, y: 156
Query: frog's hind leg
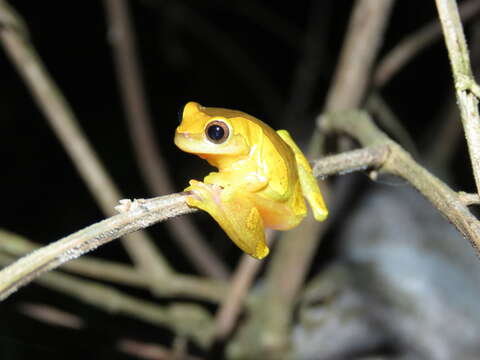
x: 235, y: 212
x: 308, y: 182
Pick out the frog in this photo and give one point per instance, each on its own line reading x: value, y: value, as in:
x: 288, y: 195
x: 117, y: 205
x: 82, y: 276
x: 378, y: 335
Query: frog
x: 263, y: 177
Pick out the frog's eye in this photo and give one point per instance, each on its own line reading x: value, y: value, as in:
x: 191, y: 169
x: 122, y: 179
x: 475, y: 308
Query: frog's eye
x: 217, y: 131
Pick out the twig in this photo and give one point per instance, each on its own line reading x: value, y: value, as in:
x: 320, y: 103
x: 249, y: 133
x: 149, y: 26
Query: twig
x: 370, y: 157
x: 152, y: 165
x: 149, y: 351
x: 406, y: 49
x: 466, y: 88
x: 469, y: 199
x: 61, y: 118
x: 241, y: 282
x: 147, y: 213
x: 51, y: 315
x: 364, y: 37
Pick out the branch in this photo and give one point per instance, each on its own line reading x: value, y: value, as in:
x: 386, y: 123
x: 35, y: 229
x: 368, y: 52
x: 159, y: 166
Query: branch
x: 361, y: 45
x: 467, y: 90
x: 65, y: 125
x: 144, y: 214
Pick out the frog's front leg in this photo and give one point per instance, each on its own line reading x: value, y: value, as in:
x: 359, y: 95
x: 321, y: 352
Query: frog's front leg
x: 234, y: 210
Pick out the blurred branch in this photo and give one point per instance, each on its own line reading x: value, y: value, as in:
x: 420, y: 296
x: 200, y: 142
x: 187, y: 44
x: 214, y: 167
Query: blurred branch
x: 411, y: 45
x: 179, y: 318
x: 467, y: 90
x: 360, y: 47
x: 51, y: 315
x: 150, y: 351
x: 62, y: 120
x: 152, y: 165
x: 230, y: 308
x: 172, y: 285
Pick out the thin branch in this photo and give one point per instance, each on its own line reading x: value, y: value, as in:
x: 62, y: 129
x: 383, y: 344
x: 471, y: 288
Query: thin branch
x: 361, y: 45
x: 409, y: 47
x: 469, y: 199
x: 465, y: 84
x: 144, y: 214
x: 62, y: 120
x: 242, y: 280
x: 150, y: 351
x: 370, y: 157
x: 152, y: 165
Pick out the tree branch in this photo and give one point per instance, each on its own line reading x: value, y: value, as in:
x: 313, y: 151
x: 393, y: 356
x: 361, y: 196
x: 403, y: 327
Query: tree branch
x: 467, y: 90
x: 141, y: 215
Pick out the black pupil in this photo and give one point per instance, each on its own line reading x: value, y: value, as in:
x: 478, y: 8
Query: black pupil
x: 215, y: 132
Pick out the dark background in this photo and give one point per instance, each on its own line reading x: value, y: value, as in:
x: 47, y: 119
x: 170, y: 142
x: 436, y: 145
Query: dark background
x: 233, y: 54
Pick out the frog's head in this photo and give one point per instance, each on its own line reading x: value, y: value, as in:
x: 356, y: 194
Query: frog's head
x: 211, y: 132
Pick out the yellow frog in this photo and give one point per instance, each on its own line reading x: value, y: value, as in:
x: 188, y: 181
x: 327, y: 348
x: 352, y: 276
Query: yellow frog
x: 261, y: 180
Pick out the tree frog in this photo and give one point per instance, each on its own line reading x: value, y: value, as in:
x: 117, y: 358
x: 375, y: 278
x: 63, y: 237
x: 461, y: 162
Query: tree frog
x: 262, y: 176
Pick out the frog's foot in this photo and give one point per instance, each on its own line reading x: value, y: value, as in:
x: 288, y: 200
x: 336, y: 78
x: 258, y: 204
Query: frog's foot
x: 204, y: 196
x: 234, y: 212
